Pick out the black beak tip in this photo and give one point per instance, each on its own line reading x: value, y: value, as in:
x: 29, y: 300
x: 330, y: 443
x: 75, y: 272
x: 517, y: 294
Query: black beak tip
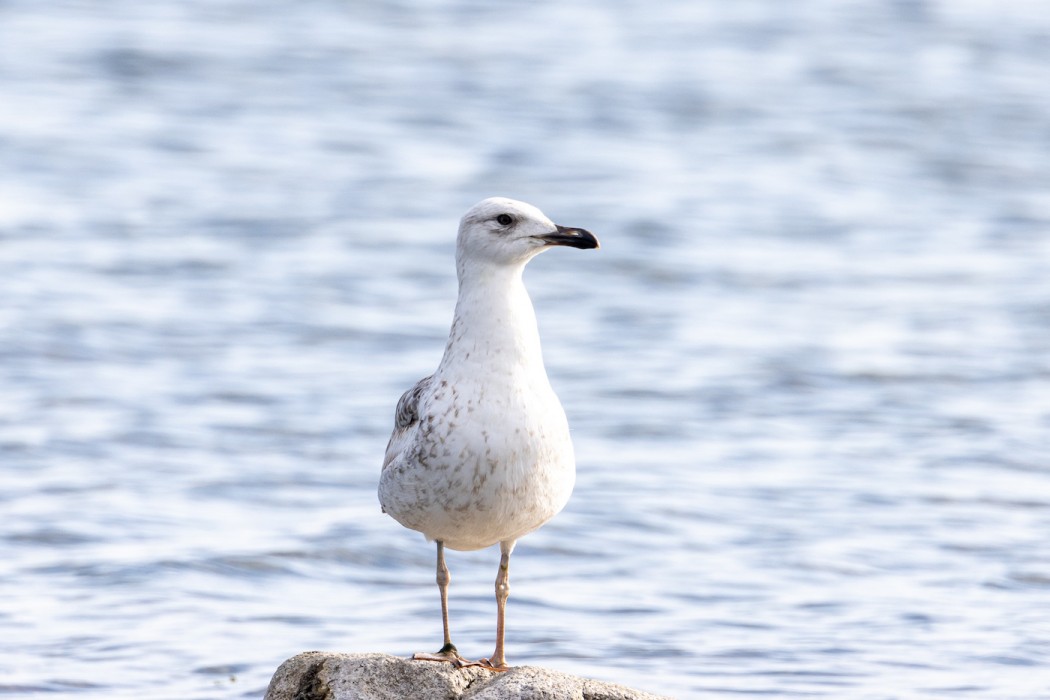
x: 572, y: 237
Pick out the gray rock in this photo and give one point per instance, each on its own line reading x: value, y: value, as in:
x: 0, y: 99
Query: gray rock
x: 318, y: 675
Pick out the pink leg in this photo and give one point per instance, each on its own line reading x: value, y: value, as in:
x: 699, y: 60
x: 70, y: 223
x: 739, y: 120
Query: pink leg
x: 498, y: 660
x: 448, y: 651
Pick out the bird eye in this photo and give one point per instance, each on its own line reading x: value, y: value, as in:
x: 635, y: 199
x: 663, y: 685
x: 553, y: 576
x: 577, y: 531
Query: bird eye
x: 504, y: 220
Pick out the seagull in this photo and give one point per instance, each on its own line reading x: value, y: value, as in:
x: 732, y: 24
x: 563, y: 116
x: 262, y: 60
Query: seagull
x: 480, y: 453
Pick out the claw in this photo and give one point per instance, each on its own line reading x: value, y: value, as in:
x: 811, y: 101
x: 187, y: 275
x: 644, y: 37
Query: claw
x: 487, y: 663
x: 451, y: 657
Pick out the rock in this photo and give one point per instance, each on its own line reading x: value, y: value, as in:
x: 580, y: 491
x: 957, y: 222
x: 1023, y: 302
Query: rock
x: 318, y: 675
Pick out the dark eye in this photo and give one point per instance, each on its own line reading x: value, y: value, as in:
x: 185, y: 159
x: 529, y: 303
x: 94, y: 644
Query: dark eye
x: 504, y: 220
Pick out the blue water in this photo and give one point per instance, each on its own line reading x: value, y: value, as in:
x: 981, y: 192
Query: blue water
x: 808, y: 373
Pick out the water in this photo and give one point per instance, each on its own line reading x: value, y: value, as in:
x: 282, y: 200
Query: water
x: 807, y: 373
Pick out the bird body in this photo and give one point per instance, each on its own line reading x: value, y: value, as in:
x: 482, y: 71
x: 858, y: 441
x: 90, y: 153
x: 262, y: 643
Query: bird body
x: 481, y: 453
x: 456, y: 480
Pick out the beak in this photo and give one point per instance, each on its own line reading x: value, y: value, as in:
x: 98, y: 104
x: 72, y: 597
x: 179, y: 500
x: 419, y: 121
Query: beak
x: 574, y: 237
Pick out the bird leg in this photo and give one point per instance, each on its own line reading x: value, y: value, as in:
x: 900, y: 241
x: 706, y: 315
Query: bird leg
x: 498, y: 662
x: 443, y: 579
x: 448, y: 652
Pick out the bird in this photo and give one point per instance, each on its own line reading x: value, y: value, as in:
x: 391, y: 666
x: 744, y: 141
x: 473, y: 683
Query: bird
x: 480, y: 453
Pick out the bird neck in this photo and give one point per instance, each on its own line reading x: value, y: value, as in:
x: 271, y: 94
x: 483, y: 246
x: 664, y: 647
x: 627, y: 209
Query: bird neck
x: 494, y: 322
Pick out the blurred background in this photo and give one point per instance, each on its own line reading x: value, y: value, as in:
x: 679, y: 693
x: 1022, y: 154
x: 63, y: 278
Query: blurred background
x: 808, y: 373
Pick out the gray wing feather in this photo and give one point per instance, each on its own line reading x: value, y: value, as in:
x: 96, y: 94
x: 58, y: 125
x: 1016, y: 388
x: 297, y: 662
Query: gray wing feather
x: 406, y: 417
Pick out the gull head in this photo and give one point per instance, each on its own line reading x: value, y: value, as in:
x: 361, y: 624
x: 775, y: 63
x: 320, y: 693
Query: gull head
x: 503, y: 231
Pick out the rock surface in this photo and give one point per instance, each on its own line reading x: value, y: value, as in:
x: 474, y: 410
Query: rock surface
x: 317, y: 675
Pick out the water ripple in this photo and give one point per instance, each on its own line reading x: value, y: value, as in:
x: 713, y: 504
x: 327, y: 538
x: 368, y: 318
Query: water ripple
x: 807, y: 374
